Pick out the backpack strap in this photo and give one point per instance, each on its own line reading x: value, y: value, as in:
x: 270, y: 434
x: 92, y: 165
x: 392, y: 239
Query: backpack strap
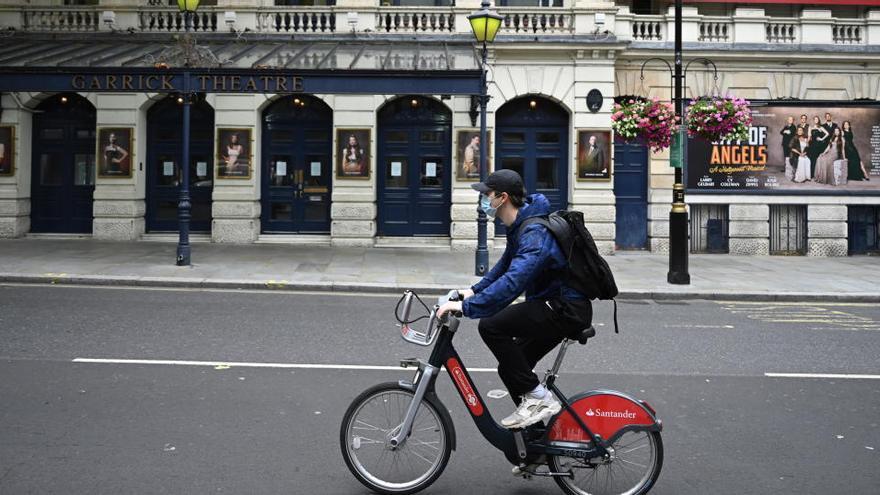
x: 616, y: 330
x: 542, y: 220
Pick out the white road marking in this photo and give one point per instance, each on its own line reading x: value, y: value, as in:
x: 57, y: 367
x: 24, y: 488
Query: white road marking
x: 822, y: 375
x: 229, y: 364
x: 364, y: 367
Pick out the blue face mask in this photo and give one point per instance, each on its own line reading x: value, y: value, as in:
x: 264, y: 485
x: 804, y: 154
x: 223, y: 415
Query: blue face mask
x: 486, y: 206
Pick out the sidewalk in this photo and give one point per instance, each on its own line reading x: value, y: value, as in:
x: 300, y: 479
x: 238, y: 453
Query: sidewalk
x: 296, y: 267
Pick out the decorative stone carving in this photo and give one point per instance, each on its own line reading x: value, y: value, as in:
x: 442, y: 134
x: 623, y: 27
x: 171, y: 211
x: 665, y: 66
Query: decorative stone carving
x: 235, y: 231
x: 749, y: 246
x: 827, y: 247
x: 116, y: 229
x: 353, y: 211
x: 352, y: 228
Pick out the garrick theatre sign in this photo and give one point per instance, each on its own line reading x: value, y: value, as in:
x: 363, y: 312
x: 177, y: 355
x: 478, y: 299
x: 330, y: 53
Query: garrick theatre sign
x: 198, y: 82
x: 233, y: 80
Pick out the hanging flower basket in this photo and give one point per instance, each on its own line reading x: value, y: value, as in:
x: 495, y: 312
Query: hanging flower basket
x: 719, y: 118
x: 651, y: 120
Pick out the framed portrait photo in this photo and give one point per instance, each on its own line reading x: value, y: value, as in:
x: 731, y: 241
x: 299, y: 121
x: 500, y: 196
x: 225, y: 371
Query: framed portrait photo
x: 234, y: 152
x: 353, y: 159
x: 115, y: 150
x: 467, y: 154
x: 594, y: 154
x: 7, y: 151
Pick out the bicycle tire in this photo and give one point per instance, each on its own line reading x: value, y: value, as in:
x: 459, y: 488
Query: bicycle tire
x: 350, y: 443
x: 644, y: 484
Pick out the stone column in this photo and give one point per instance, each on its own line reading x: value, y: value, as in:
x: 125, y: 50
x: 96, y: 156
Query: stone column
x: 622, y: 25
x: 353, y: 213
x: 595, y: 198
x: 749, y: 25
x: 15, y: 189
x: 464, y: 198
x: 827, y: 230
x: 366, y: 15
x: 236, y: 202
x: 119, y: 205
x: 749, y: 229
x: 816, y: 27
x: 660, y: 180
x: 690, y: 24
x: 872, y: 34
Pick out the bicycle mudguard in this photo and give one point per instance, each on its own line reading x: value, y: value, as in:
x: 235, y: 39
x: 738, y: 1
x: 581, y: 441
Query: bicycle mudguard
x: 606, y: 413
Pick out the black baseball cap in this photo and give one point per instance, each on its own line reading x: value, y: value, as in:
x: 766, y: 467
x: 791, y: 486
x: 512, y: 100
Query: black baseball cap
x: 504, y: 180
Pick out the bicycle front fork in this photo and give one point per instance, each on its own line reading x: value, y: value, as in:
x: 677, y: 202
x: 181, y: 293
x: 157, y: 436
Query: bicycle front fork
x: 419, y: 386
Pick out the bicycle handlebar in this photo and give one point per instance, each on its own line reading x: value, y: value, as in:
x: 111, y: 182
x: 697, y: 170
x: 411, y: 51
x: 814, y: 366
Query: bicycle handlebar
x: 427, y: 337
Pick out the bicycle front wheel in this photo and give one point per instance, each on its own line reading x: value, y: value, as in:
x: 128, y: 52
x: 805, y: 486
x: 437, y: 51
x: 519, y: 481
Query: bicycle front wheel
x: 372, y: 419
x: 633, y: 468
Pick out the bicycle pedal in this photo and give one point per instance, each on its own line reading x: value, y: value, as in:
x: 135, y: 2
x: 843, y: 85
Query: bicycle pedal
x: 523, y: 470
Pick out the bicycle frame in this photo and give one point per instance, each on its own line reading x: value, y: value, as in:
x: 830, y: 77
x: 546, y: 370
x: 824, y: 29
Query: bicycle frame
x: 510, y: 442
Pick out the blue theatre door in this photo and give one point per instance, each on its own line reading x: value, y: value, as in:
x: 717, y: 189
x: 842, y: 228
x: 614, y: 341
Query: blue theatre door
x: 413, y: 167
x: 63, y: 165
x: 164, y: 152
x: 532, y: 139
x: 631, y: 193
x: 297, y: 166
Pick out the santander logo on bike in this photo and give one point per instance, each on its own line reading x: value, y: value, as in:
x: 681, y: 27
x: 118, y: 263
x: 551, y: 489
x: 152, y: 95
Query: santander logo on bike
x: 464, y: 387
x: 610, y: 414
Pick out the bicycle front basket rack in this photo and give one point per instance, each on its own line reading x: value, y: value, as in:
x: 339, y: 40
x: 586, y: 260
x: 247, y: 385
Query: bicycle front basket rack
x: 412, y: 335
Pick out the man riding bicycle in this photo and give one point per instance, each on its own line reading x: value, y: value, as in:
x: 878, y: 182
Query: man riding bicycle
x: 520, y: 335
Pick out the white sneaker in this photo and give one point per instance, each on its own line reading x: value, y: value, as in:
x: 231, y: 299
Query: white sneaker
x: 532, y: 410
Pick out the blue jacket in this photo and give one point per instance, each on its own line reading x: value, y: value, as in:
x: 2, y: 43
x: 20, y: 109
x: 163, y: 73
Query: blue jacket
x: 532, y: 263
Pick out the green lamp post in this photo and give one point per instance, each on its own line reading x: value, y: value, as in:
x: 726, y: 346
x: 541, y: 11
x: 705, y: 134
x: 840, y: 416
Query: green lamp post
x: 184, y: 205
x: 485, y: 24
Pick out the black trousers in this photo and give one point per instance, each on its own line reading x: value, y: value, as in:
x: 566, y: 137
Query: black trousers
x: 521, y: 334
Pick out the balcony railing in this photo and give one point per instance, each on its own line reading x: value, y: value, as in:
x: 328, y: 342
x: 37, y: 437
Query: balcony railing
x: 171, y: 20
x: 310, y: 20
x: 748, y: 25
x: 415, y: 21
x: 783, y: 31
x: 845, y: 33
x: 751, y: 28
x: 648, y: 28
x: 537, y: 21
x: 62, y: 19
x: 715, y: 30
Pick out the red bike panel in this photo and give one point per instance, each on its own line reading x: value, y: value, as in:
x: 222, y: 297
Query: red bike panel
x: 465, y: 388
x: 605, y: 414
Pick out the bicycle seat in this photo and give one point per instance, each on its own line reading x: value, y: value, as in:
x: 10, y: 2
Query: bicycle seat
x: 584, y: 335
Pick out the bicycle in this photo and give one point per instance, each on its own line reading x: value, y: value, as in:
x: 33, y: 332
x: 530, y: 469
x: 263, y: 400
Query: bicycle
x: 397, y: 437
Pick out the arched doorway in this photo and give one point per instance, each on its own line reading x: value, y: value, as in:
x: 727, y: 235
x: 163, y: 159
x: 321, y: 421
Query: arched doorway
x: 297, y: 165
x: 164, y: 154
x: 63, y: 165
x: 414, y: 167
x: 532, y: 139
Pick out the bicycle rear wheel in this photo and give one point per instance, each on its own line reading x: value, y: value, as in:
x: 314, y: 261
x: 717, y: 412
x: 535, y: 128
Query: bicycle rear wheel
x: 372, y: 419
x: 632, y: 470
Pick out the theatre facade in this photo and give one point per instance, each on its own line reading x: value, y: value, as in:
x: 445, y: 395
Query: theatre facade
x: 357, y: 124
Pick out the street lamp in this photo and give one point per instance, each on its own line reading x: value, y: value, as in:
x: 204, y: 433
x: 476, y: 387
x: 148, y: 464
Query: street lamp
x: 184, y: 206
x: 678, y: 217
x: 485, y: 24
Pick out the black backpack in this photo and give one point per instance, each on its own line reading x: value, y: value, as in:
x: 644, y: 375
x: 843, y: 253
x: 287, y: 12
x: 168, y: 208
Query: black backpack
x: 588, y: 272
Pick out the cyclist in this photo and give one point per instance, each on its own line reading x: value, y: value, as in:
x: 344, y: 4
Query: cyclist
x: 520, y: 335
